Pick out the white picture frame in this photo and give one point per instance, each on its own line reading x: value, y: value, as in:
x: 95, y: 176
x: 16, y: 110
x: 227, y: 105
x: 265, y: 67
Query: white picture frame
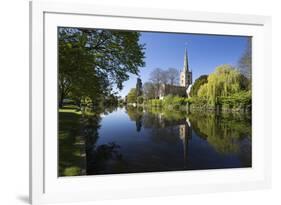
x: 46, y: 187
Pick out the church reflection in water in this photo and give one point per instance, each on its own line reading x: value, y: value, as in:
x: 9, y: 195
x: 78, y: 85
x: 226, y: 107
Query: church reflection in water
x: 165, y: 125
x: 135, y: 140
x: 185, y: 135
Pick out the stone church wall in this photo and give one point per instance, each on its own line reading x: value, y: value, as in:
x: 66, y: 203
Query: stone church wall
x: 166, y: 89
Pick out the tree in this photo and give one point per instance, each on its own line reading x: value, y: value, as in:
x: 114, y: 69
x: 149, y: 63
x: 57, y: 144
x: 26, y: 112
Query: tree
x: 164, y: 77
x: 157, y: 77
x: 225, y: 81
x: 135, y: 115
x: 132, y: 96
x: 223, y: 134
x: 139, y: 87
x: 91, y: 61
x: 172, y: 75
x: 197, y: 84
x: 245, y: 62
x: 149, y: 90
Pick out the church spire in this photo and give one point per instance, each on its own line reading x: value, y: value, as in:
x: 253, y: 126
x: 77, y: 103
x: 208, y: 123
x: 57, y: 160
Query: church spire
x: 185, y: 63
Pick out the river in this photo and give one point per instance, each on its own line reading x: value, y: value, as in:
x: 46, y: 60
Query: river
x: 132, y: 140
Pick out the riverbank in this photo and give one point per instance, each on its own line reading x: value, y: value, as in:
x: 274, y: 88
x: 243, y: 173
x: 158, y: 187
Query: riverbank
x: 236, y: 103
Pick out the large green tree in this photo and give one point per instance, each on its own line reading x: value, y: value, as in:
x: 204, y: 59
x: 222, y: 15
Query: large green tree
x: 197, y: 84
x: 92, y: 61
x: 225, y: 81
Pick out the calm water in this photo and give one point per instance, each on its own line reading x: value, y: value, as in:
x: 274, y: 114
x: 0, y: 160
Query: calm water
x: 136, y: 140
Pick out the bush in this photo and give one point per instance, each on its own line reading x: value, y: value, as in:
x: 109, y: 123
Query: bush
x: 155, y: 103
x: 174, y: 102
x: 239, y: 100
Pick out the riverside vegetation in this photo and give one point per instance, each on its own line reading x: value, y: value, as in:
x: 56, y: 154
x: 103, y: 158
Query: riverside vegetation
x: 101, y: 133
x: 224, y: 90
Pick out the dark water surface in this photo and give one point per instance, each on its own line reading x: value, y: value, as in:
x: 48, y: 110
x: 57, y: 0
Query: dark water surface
x: 130, y: 140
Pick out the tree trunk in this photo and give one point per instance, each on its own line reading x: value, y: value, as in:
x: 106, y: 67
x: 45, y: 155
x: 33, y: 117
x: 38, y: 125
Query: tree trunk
x: 61, y: 98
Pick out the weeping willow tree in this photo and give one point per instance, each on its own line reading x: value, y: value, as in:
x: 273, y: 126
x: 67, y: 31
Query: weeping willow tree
x: 225, y: 133
x: 225, y: 81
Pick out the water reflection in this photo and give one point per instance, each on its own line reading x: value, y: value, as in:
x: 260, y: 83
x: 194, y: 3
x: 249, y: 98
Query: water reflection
x: 135, y: 139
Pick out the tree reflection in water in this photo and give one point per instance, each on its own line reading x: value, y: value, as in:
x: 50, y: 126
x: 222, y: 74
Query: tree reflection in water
x: 227, y: 133
x: 82, y: 156
x: 165, y: 126
x: 171, y: 140
x: 135, y: 114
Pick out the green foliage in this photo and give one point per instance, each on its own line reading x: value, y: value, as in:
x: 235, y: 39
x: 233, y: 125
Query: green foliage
x: 91, y: 61
x: 240, y: 100
x: 155, y: 103
x: 197, y: 100
x: 70, y: 155
x: 168, y: 115
x: 224, y: 82
x: 134, y: 113
x: 132, y: 96
x: 203, y: 91
x: 197, y: 84
x: 72, y: 171
x: 223, y: 132
x: 174, y: 102
x: 169, y: 102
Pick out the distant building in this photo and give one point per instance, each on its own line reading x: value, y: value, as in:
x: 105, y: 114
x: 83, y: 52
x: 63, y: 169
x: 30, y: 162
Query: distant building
x: 185, y: 82
x: 166, y: 89
x: 185, y: 74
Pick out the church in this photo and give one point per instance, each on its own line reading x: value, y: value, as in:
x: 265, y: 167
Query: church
x: 185, y: 82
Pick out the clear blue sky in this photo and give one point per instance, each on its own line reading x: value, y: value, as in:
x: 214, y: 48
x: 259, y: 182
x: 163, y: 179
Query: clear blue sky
x: 205, y: 53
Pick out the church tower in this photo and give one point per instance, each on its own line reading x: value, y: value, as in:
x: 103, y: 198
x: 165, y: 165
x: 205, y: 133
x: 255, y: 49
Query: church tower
x: 185, y: 74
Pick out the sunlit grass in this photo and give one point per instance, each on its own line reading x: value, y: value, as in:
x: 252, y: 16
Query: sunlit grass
x: 72, y: 171
x: 74, y: 111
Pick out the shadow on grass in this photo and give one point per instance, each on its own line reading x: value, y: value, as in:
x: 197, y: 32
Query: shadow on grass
x: 78, y: 152
x: 71, y: 144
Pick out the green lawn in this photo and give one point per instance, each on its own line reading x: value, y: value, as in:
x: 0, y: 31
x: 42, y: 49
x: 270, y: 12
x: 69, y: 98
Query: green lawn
x: 71, y: 143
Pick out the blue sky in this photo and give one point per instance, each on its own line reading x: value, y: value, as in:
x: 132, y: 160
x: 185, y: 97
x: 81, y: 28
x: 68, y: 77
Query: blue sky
x: 205, y: 53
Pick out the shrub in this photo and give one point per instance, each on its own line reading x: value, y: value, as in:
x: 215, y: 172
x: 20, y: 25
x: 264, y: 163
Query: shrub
x: 174, y: 102
x: 155, y: 102
x: 238, y: 100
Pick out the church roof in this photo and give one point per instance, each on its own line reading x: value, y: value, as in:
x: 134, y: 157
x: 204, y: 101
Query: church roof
x: 185, y: 63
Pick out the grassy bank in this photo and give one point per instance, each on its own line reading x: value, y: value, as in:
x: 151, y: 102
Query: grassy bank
x: 239, y: 102
x: 71, y: 153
